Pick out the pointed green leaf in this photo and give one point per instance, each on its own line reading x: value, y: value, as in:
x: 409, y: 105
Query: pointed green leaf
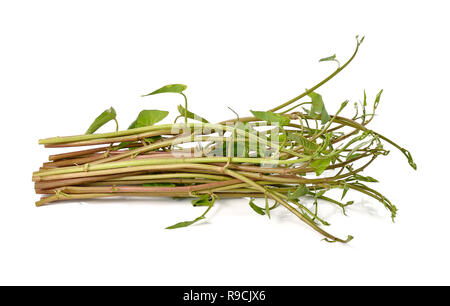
x: 324, y: 117
x: 329, y: 58
x: 271, y: 117
x: 409, y: 157
x: 344, y: 191
x: 175, y: 88
x: 102, y: 119
x: 304, y: 142
x: 133, y: 125
x: 244, y: 126
x: 319, y: 165
x: 203, y: 200
x: 320, y: 193
x: 377, y: 99
x: 256, y: 208
x: 202, y: 203
x: 317, y: 103
x: 300, y: 191
x: 353, y: 156
x: 359, y: 146
x: 267, y: 208
x: 149, y: 117
x: 318, y: 107
x: 365, y: 98
x: 359, y: 41
x: 363, y: 178
x: 309, y: 218
x: 145, y: 118
x: 185, y: 223
x: 191, y: 115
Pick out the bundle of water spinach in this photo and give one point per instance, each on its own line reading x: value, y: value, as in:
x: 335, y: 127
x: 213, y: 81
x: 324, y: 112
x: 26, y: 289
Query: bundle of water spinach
x: 290, y: 156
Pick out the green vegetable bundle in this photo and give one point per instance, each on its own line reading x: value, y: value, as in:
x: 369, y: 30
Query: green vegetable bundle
x: 287, y: 155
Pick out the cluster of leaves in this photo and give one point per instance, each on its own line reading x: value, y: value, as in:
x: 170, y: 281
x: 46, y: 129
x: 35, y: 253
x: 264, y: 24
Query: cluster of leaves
x: 145, y: 117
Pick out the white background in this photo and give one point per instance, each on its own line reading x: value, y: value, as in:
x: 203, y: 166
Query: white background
x: 63, y: 62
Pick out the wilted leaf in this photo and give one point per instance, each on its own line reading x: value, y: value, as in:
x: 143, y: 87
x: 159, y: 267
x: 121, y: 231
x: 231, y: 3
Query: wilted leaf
x: 256, y: 208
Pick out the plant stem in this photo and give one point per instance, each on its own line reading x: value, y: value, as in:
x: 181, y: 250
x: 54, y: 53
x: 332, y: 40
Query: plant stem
x: 308, y: 91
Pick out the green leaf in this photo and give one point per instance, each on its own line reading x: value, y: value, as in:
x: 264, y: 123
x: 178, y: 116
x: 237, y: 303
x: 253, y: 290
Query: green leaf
x: 319, y: 165
x: 344, y: 191
x: 359, y: 146
x: 149, y: 117
x: 320, y: 193
x: 300, y: 191
x: 271, y: 117
x: 349, y: 237
x: 377, y: 99
x: 324, y: 117
x: 309, y: 218
x: 159, y: 185
x: 317, y: 103
x: 256, y: 208
x: 363, y: 178
x: 203, y: 200
x: 359, y: 41
x: 243, y: 126
x: 176, y: 88
x: 102, y: 119
x: 133, y: 125
x: 329, y: 58
x: 365, y: 98
x: 145, y: 118
x: 353, y: 156
x: 267, y: 207
x: 191, y: 115
x: 304, y: 142
x: 409, y: 157
x: 185, y: 223
x: 318, y: 107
